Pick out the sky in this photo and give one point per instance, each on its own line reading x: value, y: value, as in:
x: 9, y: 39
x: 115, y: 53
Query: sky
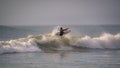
x: 59, y: 12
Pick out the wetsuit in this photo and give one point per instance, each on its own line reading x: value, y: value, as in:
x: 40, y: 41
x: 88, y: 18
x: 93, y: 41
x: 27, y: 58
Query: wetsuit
x: 61, y: 31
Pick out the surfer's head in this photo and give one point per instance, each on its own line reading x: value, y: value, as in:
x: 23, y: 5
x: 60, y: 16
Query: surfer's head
x: 61, y: 28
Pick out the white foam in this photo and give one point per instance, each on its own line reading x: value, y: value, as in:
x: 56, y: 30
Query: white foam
x: 19, y: 45
x: 106, y: 40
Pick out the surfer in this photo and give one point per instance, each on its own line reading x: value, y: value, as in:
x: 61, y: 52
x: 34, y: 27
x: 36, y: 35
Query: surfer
x: 62, y: 31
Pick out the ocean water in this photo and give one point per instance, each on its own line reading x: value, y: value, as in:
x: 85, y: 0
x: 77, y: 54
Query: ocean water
x: 39, y: 47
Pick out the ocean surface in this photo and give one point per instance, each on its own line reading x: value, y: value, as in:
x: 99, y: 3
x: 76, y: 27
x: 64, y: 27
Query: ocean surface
x: 86, y: 46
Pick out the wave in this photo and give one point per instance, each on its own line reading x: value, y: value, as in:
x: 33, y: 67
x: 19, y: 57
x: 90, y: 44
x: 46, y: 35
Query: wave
x: 105, y: 41
x: 18, y: 45
x: 51, y: 42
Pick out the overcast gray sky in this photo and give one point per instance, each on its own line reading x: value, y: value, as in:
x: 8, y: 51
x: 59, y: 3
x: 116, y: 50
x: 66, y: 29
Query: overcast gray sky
x: 59, y: 12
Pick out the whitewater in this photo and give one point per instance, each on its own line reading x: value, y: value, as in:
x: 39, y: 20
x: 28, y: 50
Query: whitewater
x: 52, y: 43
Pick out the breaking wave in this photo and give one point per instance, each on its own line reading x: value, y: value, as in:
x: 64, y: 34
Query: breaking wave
x: 51, y: 42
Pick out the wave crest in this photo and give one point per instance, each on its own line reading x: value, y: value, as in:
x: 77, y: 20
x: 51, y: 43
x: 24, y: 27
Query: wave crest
x: 104, y: 41
x: 18, y: 45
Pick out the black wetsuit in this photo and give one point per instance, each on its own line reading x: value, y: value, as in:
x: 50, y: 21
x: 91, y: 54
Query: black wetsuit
x: 61, y: 31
